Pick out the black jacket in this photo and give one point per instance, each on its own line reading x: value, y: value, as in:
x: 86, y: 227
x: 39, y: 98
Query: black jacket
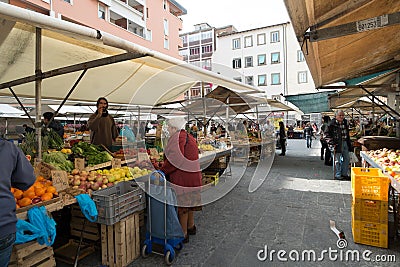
x: 333, y: 135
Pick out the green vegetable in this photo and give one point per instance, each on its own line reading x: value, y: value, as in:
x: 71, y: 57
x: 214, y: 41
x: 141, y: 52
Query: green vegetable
x: 58, y: 160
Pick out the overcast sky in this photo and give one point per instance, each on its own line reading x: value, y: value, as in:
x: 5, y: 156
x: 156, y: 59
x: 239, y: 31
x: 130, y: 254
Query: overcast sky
x: 247, y: 15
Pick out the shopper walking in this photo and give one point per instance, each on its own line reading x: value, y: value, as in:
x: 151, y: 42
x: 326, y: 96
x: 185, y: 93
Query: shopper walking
x: 15, y: 171
x: 325, y: 152
x: 181, y: 164
x: 282, y: 138
x: 338, y: 139
x: 308, y: 134
x: 103, y: 130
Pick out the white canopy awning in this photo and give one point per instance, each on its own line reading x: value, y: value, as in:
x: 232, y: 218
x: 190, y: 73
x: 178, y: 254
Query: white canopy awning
x: 121, y: 71
x: 7, y: 111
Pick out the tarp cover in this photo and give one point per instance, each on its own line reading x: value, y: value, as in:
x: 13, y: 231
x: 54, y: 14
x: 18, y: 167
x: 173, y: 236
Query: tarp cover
x: 311, y: 103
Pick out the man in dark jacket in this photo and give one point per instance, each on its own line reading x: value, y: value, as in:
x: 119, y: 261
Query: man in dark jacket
x: 55, y: 125
x: 338, y: 139
x: 15, y: 171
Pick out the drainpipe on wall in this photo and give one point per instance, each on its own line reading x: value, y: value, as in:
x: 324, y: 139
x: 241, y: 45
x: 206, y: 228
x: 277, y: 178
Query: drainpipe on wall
x: 285, y: 64
x: 52, y: 13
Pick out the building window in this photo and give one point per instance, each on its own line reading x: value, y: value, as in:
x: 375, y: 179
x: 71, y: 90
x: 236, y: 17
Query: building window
x: 261, y: 60
x: 302, y: 77
x: 275, y: 78
x: 166, y: 43
x: 68, y: 1
x: 102, y: 11
x: 275, y: 58
x: 236, y: 63
x: 236, y: 43
x: 249, y: 80
x: 261, y: 39
x: 206, y: 35
x: 275, y: 37
x: 184, y: 39
x: 195, y: 92
x: 239, y: 79
x: 300, y: 56
x: 164, y: 4
x: 248, y: 41
x: 149, y: 35
x: 206, y: 49
x: 248, y: 62
x: 194, y: 51
x: 194, y: 37
x: 206, y: 64
x: 262, y: 79
x: 166, y: 27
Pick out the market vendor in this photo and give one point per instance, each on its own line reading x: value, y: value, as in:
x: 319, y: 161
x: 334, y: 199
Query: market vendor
x: 103, y: 130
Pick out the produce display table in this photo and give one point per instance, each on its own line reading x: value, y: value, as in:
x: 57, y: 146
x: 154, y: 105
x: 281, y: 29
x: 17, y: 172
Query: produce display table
x: 207, y: 157
x: 366, y: 160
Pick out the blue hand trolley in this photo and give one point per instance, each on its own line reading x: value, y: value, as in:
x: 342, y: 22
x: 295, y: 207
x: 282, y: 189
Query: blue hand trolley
x: 163, y: 225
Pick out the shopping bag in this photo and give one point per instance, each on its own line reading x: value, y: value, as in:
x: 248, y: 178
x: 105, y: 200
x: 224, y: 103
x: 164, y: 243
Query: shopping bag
x: 353, y: 158
x: 162, y: 198
x: 27, y: 232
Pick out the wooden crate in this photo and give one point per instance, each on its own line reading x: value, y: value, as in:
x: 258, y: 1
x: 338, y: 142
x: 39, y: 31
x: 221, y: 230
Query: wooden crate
x: 67, y: 252
x: 120, y: 243
x: 141, y: 218
x: 32, y: 254
x: 91, y: 229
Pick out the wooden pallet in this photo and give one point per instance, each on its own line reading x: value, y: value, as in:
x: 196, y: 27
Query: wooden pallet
x: 91, y: 229
x: 32, y: 254
x: 67, y: 252
x: 120, y: 243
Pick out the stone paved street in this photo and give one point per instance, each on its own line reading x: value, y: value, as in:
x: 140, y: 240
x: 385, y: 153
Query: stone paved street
x: 290, y: 211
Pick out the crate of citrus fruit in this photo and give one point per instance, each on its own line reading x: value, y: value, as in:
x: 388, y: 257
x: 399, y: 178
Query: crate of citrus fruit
x: 42, y: 192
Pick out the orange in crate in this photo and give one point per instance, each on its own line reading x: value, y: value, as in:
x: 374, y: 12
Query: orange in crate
x: 369, y: 183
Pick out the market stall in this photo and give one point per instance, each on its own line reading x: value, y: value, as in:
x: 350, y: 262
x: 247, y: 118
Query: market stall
x: 73, y: 58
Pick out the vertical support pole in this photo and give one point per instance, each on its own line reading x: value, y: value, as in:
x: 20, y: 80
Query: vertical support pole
x: 38, y: 90
x: 138, y: 127
x: 397, y: 108
x: 227, y: 118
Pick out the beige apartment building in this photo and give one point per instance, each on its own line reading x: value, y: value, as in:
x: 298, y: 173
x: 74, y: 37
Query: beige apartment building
x: 154, y: 24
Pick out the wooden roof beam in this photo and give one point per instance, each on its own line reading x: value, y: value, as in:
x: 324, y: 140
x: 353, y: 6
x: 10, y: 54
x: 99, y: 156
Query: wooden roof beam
x: 355, y: 27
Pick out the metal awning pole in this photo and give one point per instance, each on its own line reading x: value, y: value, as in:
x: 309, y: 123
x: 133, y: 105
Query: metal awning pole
x: 227, y: 118
x: 38, y: 90
x: 138, y: 122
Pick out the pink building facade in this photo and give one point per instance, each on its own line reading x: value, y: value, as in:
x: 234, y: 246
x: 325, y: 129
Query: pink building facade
x: 154, y: 24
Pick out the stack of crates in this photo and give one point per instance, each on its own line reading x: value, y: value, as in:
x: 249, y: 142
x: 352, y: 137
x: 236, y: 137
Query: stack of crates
x: 369, y: 188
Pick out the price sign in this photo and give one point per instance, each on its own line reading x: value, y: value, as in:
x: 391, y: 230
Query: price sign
x: 60, y: 180
x: 115, y: 163
x: 142, y: 156
x: 79, y: 164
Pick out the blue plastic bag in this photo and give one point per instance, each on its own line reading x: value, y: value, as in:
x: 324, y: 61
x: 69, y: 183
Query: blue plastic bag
x: 27, y: 232
x: 38, y: 217
x: 88, y: 207
x: 128, y: 133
